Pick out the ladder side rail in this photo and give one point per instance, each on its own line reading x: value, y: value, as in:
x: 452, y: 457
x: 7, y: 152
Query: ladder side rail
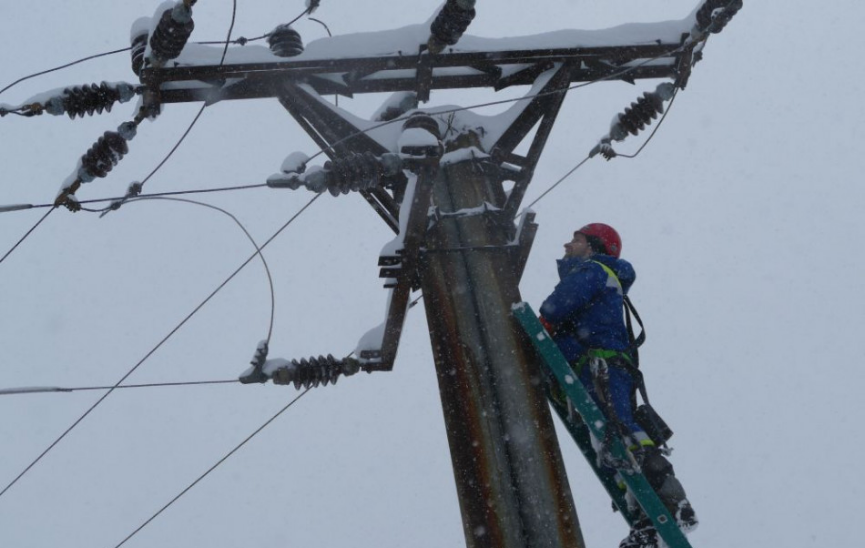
x: 596, y: 423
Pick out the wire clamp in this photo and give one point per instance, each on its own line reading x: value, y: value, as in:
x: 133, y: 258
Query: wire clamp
x: 256, y: 373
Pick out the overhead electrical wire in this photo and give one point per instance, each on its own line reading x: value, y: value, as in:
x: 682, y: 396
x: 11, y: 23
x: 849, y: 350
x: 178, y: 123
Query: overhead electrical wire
x: 189, y: 316
x: 611, y: 76
x: 65, y: 390
x: 248, y: 236
x: 116, y: 205
x: 67, y: 65
x: 454, y: 110
x: 258, y: 252
x: 654, y: 131
x: 26, y: 234
x: 161, y: 342
x: 212, y: 468
x: 618, y: 155
x: 24, y: 207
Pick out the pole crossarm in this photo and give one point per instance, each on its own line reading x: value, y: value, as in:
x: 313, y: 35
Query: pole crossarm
x: 419, y: 72
x: 337, y: 137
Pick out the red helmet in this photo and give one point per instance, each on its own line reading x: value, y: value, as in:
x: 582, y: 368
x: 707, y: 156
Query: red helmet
x: 606, y: 236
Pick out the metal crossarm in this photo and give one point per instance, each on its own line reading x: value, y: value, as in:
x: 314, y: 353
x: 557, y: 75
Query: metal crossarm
x: 412, y: 72
x: 594, y: 423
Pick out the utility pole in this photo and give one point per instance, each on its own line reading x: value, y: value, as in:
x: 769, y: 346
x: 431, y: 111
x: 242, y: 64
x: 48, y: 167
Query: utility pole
x: 510, y: 477
x: 437, y: 182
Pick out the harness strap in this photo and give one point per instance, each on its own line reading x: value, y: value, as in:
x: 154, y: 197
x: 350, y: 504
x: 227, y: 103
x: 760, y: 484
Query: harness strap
x: 636, y: 342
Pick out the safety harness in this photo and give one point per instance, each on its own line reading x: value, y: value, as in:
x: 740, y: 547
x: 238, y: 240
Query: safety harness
x: 600, y: 360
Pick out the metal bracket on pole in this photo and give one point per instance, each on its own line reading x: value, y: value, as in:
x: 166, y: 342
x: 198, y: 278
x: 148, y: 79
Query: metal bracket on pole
x: 337, y: 137
x: 544, y: 108
x: 406, y: 270
x: 525, y: 238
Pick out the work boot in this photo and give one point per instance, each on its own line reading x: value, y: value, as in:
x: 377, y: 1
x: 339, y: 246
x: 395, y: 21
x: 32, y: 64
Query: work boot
x: 642, y: 535
x: 660, y: 475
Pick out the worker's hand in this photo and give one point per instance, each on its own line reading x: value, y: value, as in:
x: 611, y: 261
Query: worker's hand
x: 547, y: 325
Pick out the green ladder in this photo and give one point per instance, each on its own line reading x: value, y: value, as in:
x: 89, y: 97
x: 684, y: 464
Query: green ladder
x: 591, y: 422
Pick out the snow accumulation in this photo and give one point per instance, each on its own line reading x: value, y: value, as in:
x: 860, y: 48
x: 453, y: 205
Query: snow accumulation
x: 391, y: 248
x: 398, y: 102
x: 371, y: 340
x: 139, y: 27
x: 462, y: 155
x: 416, y: 137
x: 406, y: 40
x: 294, y: 163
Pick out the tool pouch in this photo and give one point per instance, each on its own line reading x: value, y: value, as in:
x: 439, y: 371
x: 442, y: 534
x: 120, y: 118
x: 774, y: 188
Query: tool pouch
x: 653, y: 424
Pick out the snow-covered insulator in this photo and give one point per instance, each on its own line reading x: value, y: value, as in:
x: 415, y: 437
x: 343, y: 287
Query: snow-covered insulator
x: 284, y: 41
x: 422, y: 120
x: 352, y: 173
x: 714, y: 15
x: 97, y: 162
x: 139, y: 45
x: 89, y: 99
x: 171, y: 33
x: 315, y: 371
x: 450, y: 24
x: 102, y: 156
x: 421, y: 136
x: 641, y: 113
x: 635, y: 118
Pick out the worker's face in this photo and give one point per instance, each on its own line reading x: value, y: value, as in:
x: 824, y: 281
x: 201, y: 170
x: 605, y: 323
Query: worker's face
x: 578, y: 247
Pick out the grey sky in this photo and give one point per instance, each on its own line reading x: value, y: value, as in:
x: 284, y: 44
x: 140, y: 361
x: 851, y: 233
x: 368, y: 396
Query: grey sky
x: 741, y: 218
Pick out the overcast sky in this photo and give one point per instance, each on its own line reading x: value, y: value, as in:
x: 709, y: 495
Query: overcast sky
x: 741, y: 218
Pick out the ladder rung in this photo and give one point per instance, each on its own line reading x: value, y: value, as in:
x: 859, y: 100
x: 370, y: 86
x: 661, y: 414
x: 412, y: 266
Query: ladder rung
x: 593, y: 421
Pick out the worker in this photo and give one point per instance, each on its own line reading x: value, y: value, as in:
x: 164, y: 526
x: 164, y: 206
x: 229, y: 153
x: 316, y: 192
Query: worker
x: 584, y: 315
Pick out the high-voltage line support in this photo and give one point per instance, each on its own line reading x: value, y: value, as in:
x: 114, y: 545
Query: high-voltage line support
x: 440, y: 188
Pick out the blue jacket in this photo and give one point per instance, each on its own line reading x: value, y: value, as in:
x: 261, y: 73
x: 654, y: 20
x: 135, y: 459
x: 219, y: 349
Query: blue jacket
x: 585, y: 308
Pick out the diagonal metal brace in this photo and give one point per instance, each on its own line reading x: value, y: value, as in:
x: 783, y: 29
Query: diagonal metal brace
x: 415, y: 233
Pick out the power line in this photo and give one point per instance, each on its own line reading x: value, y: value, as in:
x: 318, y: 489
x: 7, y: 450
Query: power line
x: 654, y: 131
x: 55, y: 389
x: 610, y: 76
x: 67, y: 65
x: 26, y: 234
x: 158, y: 345
x: 629, y: 156
x: 557, y: 183
x: 248, y: 236
x: 123, y: 200
x: 117, y: 205
x: 212, y: 468
x: 21, y: 207
x: 403, y: 118
x: 294, y: 217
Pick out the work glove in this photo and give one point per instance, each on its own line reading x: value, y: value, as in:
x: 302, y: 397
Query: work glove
x: 547, y: 325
